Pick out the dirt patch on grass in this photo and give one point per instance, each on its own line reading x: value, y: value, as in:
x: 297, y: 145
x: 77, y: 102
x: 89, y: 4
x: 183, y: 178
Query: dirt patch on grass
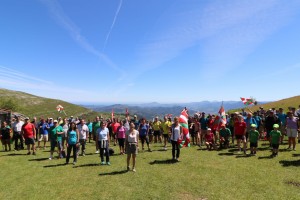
x: 187, y: 196
x: 293, y: 183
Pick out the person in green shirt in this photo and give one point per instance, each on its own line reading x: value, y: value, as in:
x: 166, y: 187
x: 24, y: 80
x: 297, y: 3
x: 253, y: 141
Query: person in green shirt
x: 56, y: 132
x: 275, y: 139
x: 225, y: 134
x: 253, y: 138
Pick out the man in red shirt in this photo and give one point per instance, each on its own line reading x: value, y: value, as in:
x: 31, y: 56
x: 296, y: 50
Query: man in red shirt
x: 240, y: 128
x: 29, y: 133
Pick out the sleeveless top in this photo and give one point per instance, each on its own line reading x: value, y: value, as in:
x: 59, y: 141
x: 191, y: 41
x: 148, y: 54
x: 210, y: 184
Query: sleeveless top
x: 132, y: 138
x: 72, y: 137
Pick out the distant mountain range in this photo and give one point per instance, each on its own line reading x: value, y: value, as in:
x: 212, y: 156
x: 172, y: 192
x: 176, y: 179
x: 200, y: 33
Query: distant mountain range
x: 150, y: 110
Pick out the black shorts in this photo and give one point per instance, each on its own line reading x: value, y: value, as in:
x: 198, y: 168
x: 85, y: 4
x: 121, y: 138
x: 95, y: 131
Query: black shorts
x: 29, y: 141
x: 253, y: 144
x: 144, y: 138
x: 121, y: 142
x: 239, y: 137
x: 166, y: 136
x: 156, y: 133
x: 275, y: 146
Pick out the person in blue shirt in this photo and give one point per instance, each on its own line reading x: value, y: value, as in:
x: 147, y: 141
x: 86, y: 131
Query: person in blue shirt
x: 72, y: 142
x: 90, y: 126
x: 282, y: 125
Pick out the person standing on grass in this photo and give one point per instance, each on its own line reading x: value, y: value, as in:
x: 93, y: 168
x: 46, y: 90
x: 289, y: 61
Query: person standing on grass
x: 253, y: 138
x: 275, y: 139
x: 291, y: 129
x: 83, y: 135
x: 282, y: 126
x: 56, y: 133
x: 5, y: 132
x: 115, y: 125
x: 132, y: 143
x: 270, y: 120
x: 96, y: 126
x: 166, y: 127
x: 157, y: 130
x: 29, y: 133
x: 43, y: 126
x: 103, y: 142
x: 90, y: 126
x: 143, y: 134
x: 240, y: 129
x: 176, y: 134
x: 65, y: 126
x: 203, y: 122
x: 121, y: 133
x: 72, y: 141
x: 17, y: 126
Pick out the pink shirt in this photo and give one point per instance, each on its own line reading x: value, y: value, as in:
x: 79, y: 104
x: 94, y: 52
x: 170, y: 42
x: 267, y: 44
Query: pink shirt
x: 121, y: 132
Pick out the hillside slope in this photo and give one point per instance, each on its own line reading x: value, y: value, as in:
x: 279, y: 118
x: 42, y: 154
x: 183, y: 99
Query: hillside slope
x: 31, y: 105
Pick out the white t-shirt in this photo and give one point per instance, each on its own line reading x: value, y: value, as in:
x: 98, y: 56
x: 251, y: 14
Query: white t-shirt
x: 132, y: 138
x: 102, y: 133
x: 83, y: 131
x: 17, y: 126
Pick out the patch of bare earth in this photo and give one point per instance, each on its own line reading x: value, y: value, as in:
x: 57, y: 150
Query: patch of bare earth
x: 293, y: 183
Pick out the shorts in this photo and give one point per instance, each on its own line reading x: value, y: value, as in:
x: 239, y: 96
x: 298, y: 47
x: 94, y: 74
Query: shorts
x: 156, y: 133
x: 282, y: 130
x: 43, y: 138
x: 253, y: 144
x: 5, y: 141
x: 275, y: 146
x: 53, y: 145
x: 291, y: 132
x: 121, y: 142
x: 144, y: 138
x: 131, y: 149
x: 166, y: 136
x: 29, y: 141
x: 239, y: 137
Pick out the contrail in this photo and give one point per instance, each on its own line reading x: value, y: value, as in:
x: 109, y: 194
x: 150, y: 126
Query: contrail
x: 112, y: 25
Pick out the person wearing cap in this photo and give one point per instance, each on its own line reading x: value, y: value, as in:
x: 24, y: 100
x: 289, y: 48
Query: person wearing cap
x: 291, y: 130
x: 56, y: 132
x: 210, y: 139
x: 271, y: 119
x: 275, y: 139
x: 240, y: 128
x: 43, y: 130
x: 29, y: 133
x: 16, y: 127
x: 253, y: 138
x: 225, y: 134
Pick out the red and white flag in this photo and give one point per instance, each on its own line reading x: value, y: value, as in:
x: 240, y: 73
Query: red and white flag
x: 247, y: 101
x: 126, y: 112
x: 222, y: 115
x: 59, y: 108
x: 112, y: 114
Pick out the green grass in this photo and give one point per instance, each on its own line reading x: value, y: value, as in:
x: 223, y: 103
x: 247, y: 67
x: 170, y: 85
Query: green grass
x: 200, y: 174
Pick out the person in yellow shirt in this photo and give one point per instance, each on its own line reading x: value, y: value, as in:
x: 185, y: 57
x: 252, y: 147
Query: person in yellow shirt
x: 157, y: 130
x: 166, y: 127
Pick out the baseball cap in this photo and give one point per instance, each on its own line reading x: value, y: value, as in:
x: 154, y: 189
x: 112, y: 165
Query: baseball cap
x: 209, y: 129
x: 275, y: 126
x: 26, y: 118
x: 253, y: 125
x: 55, y: 121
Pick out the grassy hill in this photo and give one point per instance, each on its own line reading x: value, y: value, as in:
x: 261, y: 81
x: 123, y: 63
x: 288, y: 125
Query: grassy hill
x: 31, y: 105
x: 283, y: 103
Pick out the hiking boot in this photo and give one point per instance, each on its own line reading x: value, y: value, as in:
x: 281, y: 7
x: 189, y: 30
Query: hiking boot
x: 28, y: 153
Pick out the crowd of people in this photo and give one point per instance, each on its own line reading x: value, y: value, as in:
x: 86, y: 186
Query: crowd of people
x: 72, y: 134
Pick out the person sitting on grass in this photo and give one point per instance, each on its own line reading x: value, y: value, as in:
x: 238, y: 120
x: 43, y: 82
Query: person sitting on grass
x: 225, y: 134
x: 275, y: 139
x: 253, y: 137
x: 210, y: 140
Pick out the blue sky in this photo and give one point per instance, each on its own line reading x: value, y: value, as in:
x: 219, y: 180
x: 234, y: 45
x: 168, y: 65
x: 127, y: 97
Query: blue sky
x: 125, y: 51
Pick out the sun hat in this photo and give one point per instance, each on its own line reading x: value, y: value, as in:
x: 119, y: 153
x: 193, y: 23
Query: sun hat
x: 275, y: 126
x: 253, y: 125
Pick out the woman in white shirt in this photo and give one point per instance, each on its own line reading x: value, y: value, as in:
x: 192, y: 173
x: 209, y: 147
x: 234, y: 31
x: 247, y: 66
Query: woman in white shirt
x: 176, y: 134
x: 103, y: 142
x: 132, y: 143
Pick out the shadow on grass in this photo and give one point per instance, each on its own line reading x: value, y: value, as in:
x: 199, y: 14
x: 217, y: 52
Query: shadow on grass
x: 168, y: 161
x: 38, y: 159
x: 265, y: 144
x: 87, y: 165
x: 243, y: 156
x: 226, y: 154
x: 266, y: 157
x: 263, y: 148
x: 57, y: 165
x: 15, y: 154
x: 288, y: 163
x: 113, y: 173
x: 296, y: 155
